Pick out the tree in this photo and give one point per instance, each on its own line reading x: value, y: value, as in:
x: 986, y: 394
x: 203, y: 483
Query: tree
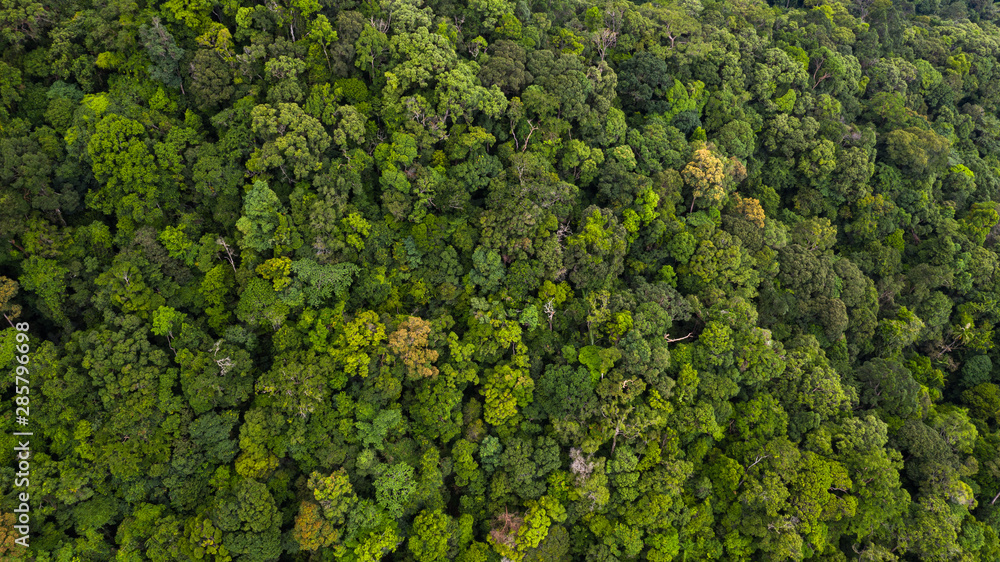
x: 889, y: 386
x: 899, y: 332
x: 706, y: 176
x: 324, y: 36
x: 312, y: 531
x: 260, y: 305
x: 370, y: 48
x: 306, y: 374
x: 165, y: 320
x: 334, y: 494
x: 487, y: 269
x: 22, y: 21
x: 505, y: 68
x: 8, y: 290
x: 283, y: 72
x: 917, y: 151
x: 596, y: 254
x: 512, y: 535
x: 250, y: 521
x: 393, y: 488
x: 718, y: 262
x: 130, y: 287
x: 564, y: 78
x: 979, y: 221
x: 984, y: 400
x: 320, y: 282
x: 204, y: 539
x: 389, y: 157
x: 643, y: 83
x: 409, y: 342
x: 126, y: 167
x: 507, y: 388
x: 429, y: 541
x: 164, y: 53
x: 292, y: 141
x: 751, y: 209
x: 264, y: 223
x: 436, y: 408
x: 360, y: 341
x: 376, y: 545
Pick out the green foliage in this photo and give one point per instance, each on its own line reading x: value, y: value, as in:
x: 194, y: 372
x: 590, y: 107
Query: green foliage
x: 163, y: 52
x: 598, y: 361
x: 429, y: 541
x: 487, y: 271
x: 507, y: 280
x: 293, y: 141
x: 393, y: 488
x: 977, y: 369
x: 506, y: 389
x: 334, y: 494
x: 261, y: 217
x: 127, y: 169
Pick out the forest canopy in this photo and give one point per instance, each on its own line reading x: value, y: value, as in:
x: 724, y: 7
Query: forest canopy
x: 521, y: 280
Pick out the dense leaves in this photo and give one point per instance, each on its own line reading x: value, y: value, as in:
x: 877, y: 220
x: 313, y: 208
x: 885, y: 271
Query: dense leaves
x: 502, y: 280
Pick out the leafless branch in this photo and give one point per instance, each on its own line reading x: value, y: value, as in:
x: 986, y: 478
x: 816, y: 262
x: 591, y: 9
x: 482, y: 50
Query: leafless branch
x: 746, y: 471
x: 222, y: 242
x: 605, y: 39
x: 669, y: 340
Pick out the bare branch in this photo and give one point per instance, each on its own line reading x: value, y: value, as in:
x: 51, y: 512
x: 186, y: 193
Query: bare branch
x: 604, y: 39
x: 746, y: 471
x: 669, y: 340
x: 222, y: 242
x: 549, y: 310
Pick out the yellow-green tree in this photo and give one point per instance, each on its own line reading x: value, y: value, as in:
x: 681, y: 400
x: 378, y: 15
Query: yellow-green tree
x: 706, y: 175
